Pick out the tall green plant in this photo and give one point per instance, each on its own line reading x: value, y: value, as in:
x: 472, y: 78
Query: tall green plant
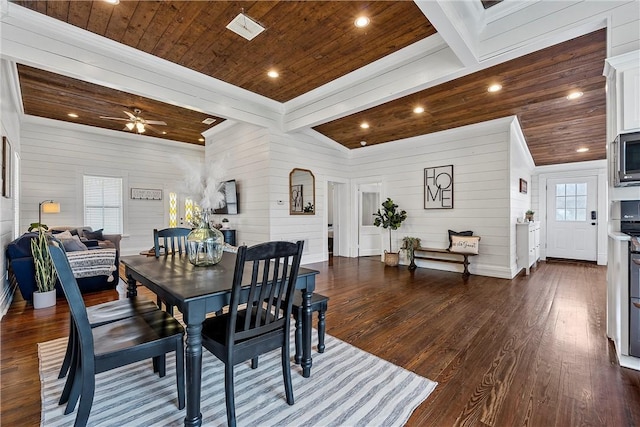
x: 389, y: 217
x: 45, y: 271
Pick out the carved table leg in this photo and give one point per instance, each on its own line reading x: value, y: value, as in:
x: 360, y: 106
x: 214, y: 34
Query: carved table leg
x: 193, y: 356
x: 298, y: 337
x: 306, y: 334
x: 322, y: 314
x: 466, y: 273
x: 132, y: 289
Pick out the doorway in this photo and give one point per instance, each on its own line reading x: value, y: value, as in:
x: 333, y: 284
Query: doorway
x: 368, y: 234
x: 572, y: 218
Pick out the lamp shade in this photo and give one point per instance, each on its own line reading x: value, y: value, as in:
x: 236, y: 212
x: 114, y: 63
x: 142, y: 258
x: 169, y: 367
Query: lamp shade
x: 51, y: 207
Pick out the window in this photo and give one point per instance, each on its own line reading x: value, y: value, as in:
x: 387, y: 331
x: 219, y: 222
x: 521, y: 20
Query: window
x: 103, y: 203
x: 571, y: 202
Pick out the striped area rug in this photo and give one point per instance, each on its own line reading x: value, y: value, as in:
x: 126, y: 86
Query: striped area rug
x: 347, y: 387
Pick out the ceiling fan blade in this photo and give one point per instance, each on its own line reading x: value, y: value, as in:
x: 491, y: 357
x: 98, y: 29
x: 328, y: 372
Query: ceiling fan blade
x: 155, y: 122
x: 131, y: 115
x: 114, y: 118
x: 151, y: 128
x: 126, y: 129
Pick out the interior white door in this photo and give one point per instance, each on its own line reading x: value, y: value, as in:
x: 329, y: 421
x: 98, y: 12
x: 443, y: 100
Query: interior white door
x: 572, y: 220
x: 368, y: 234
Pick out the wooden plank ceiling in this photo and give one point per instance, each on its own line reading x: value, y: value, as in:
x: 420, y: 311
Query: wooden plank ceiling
x: 312, y: 43
x: 534, y: 87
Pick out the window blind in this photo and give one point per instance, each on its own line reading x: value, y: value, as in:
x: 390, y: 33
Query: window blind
x: 103, y: 203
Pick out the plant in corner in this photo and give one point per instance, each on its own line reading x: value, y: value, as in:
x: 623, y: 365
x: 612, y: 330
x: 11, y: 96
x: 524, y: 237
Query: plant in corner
x: 529, y: 215
x: 390, y: 217
x: 410, y: 244
x: 45, y: 272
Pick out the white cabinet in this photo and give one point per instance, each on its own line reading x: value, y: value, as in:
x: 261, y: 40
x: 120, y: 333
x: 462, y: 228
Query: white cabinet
x: 527, y: 244
x: 631, y: 99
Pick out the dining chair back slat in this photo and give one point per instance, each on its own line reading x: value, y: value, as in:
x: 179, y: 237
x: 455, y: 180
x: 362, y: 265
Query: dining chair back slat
x: 174, y: 240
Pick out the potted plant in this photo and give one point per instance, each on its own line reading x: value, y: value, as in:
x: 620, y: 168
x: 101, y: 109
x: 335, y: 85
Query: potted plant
x: 45, y: 272
x: 410, y: 244
x: 390, y: 217
x: 529, y: 215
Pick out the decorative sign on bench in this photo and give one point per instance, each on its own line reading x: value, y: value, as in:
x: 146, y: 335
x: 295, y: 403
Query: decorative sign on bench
x: 146, y: 194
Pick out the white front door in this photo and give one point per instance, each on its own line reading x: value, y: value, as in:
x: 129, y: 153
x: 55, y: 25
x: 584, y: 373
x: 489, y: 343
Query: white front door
x: 368, y: 234
x: 572, y: 220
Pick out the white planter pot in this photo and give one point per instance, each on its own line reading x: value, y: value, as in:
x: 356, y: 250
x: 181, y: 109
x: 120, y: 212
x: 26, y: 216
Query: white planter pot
x: 44, y: 299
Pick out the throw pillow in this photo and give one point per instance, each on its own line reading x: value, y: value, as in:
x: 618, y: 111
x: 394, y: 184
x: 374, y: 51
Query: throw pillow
x: 64, y: 235
x: 94, y: 235
x: 458, y: 233
x: 465, y: 244
x: 73, y: 245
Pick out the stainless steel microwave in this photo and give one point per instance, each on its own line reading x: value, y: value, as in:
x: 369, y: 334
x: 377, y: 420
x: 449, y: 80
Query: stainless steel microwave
x: 627, y: 159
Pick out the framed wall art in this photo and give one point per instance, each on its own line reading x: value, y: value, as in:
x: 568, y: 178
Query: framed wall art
x: 296, y: 198
x: 6, y: 167
x: 523, y: 186
x: 438, y: 187
x: 146, y: 194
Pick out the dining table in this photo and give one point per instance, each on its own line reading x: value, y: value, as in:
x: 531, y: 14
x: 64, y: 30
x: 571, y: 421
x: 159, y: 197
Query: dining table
x: 197, y: 291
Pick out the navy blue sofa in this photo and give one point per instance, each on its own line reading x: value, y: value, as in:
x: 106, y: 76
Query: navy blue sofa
x: 22, y: 271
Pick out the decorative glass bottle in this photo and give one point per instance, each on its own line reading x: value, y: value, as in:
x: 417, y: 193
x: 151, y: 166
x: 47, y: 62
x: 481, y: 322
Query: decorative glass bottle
x: 205, y: 244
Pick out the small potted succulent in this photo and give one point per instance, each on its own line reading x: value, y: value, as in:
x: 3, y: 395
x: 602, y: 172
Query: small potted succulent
x: 529, y: 215
x: 410, y: 244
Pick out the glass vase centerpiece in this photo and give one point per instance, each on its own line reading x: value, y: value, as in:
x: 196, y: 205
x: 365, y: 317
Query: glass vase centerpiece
x: 204, y: 183
x: 205, y: 244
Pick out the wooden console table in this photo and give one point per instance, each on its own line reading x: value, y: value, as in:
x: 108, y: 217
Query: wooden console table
x: 433, y: 254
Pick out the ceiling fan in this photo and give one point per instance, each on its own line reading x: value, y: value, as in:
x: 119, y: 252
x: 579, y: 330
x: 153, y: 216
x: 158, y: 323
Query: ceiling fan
x: 136, y: 123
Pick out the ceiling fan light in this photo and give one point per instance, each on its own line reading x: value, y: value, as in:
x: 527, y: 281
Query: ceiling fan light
x: 140, y: 127
x: 130, y: 126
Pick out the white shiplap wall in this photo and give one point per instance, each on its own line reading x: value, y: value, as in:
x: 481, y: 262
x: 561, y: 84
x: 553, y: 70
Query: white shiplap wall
x: 56, y: 155
x: 328, y: 163
x: 521, y: 167
x: 245, y: 150
x: 10, y: 128
x: 480, y: 157
x: 260, y: 161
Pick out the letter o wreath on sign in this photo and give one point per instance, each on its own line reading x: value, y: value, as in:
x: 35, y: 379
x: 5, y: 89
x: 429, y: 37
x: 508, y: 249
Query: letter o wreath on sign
x: 464, y: 244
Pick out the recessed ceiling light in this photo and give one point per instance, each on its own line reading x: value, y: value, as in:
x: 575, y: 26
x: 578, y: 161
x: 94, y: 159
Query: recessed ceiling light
x: 574, y: 95
x: 418, y: 110
x: 494, y: 88
x: 582, y: 150
x: 361, y: 21
x: 164, y: 132
x: 364, y: 125
x: 363, y: 143
x: 273, y: 74
x: 112, y: 1
x: 74, y: 115
x: 200, y: 139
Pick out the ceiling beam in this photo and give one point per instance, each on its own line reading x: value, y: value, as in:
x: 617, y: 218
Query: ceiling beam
x: 37, y: 40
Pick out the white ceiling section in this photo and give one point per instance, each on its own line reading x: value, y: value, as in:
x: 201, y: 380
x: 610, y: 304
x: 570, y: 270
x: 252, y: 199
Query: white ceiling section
x: 469, y: 39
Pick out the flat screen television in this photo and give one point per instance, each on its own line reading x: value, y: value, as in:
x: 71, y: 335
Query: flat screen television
x: 230, y: 191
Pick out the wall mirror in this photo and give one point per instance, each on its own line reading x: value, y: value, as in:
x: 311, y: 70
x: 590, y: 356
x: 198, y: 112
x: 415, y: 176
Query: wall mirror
x: 302, y: 192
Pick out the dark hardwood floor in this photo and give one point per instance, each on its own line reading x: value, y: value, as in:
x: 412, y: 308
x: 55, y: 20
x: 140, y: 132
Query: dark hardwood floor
x: 529, y: 351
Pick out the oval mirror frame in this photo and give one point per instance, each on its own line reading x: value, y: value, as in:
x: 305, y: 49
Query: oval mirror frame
x: 302, y: 192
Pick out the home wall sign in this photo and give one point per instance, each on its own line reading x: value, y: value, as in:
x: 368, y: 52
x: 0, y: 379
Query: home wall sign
x: 438, y: 187
x: 146, y: 194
